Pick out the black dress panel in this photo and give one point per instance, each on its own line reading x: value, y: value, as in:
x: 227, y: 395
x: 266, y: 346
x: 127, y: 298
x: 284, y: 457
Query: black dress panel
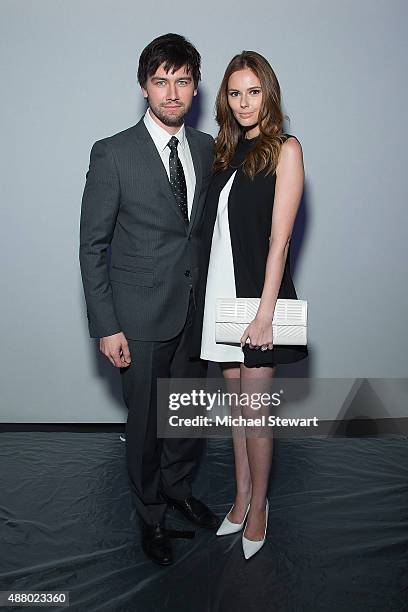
x: 250, y: 206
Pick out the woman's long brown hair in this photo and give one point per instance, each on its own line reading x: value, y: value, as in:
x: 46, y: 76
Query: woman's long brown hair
x: 265, y: 153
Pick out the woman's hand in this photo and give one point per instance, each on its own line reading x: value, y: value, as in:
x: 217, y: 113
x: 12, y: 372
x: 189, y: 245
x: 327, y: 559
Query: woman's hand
x: 258, y: 334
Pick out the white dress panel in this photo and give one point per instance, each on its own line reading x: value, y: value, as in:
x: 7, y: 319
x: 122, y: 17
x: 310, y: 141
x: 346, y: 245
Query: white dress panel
x: 220, y: 283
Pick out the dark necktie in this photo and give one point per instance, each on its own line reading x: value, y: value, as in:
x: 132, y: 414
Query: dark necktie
x: 177, y: 178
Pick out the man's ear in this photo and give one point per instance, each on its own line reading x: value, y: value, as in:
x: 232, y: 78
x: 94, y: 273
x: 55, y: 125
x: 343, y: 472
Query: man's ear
x: 144, y: 92
x: 195, y: 92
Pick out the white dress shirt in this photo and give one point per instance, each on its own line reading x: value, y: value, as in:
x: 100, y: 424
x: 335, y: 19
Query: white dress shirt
x: 161, y: 138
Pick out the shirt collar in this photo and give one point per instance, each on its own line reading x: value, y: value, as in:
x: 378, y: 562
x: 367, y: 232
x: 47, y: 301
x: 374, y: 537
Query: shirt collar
x: 160, y: 136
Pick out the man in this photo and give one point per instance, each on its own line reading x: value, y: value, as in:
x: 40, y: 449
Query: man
x: 144, y: 198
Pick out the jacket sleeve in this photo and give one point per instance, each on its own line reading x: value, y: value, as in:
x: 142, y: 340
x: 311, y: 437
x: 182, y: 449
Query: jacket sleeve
x: 99, y: 210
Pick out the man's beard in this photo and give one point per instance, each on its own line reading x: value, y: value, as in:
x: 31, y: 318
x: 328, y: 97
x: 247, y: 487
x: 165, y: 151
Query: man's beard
x: 171, y: 120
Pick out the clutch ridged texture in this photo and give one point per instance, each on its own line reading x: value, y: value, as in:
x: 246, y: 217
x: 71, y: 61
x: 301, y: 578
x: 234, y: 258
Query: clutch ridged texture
x: 233, y: 315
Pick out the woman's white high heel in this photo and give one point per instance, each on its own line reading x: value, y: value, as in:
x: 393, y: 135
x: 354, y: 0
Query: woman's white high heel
x: 227, y: 526
x: 250, y: 547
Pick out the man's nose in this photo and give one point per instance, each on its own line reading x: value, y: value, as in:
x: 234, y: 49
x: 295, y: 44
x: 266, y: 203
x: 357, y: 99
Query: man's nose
x: 172, y: 92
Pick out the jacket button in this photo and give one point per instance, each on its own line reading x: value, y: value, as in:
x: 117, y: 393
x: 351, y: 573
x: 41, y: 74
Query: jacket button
x: 187, y: 273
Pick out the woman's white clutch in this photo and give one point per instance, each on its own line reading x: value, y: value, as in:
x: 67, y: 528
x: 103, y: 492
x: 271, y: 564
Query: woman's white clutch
x: 233, y: 315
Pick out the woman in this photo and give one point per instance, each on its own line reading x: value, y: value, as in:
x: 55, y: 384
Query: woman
x: 251, y: 207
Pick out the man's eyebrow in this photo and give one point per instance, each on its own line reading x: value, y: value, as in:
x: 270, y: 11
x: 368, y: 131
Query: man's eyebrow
x: 181, y: 78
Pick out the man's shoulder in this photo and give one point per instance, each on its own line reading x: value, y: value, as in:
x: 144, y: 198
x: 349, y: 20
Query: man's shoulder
x: 202, y: 137
x: 121, y: 138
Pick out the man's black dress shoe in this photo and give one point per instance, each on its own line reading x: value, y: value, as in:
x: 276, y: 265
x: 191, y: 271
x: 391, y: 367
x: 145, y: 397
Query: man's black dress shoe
x: 196, y: 512
x: 156, y: 543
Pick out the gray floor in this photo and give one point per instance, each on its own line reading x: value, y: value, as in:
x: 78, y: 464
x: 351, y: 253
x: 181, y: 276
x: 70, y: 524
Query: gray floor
x: 337, y: 534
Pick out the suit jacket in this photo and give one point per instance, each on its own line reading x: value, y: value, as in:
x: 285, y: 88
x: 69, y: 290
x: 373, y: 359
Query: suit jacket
x: 143, y: 288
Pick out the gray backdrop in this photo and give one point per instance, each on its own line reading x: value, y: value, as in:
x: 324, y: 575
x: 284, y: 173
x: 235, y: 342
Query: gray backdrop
x: 68, y: 77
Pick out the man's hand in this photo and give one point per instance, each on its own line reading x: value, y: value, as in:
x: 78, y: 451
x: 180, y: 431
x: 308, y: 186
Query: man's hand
x: 116, y: 349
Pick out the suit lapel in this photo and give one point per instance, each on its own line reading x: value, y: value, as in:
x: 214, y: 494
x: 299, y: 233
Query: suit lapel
x: 149, y: 153
x: 196, y: 157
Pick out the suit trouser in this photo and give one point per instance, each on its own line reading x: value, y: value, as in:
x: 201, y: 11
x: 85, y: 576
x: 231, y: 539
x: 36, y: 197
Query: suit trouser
x: 158, y: 465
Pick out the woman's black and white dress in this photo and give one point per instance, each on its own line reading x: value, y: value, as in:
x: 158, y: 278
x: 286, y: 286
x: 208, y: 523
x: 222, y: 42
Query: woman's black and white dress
x: 241, y: 221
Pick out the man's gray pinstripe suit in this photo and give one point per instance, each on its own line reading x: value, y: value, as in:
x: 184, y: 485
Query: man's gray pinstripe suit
x: 146, y: 291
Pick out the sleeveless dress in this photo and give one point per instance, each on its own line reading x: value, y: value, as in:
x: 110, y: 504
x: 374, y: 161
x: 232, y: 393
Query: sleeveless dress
x: 242, y: 220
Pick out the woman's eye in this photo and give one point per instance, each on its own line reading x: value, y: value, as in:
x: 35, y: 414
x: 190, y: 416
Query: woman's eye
x: 255, y: 91
x: 233, y: 94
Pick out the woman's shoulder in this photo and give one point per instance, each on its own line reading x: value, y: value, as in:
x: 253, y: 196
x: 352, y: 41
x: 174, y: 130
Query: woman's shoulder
x: 291, y: 144
x: 290, y: 154
x: 290, y: 138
